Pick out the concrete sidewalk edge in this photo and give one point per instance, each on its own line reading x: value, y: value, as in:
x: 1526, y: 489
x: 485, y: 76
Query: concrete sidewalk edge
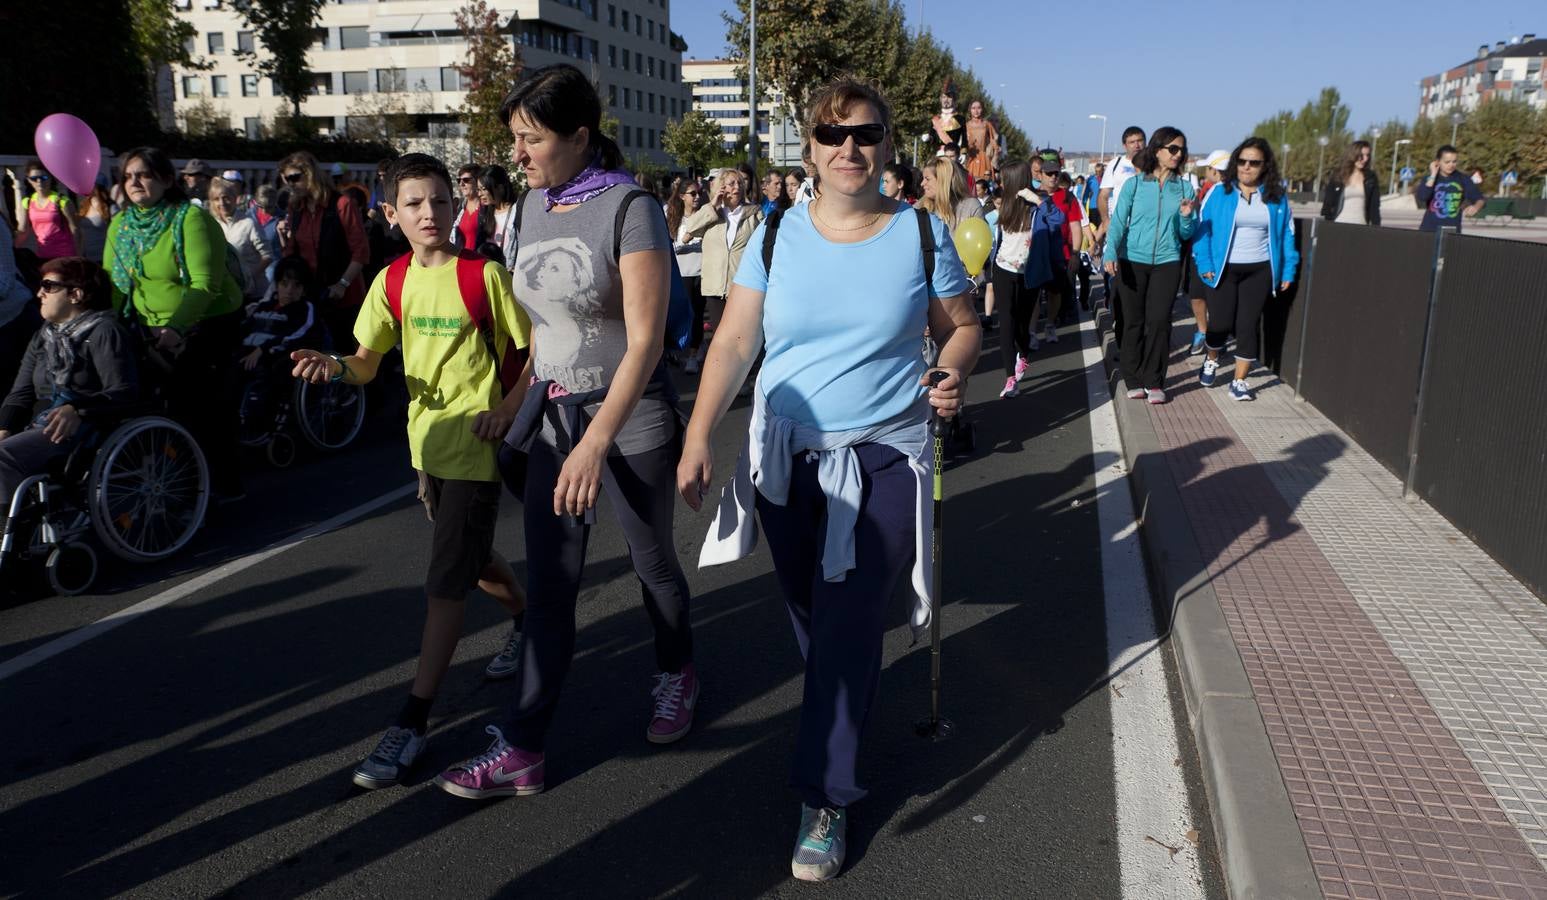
x: 1262, y: 851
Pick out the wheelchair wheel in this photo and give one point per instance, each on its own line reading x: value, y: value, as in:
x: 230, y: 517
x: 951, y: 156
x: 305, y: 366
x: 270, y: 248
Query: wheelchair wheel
x: 329, y: 415
x: 149, y: 489
x: 281, y: 451
x: 71, y: 569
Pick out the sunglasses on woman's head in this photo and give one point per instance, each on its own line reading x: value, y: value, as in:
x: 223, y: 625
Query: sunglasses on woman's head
x: 295, y: 178
x: 867, y: 135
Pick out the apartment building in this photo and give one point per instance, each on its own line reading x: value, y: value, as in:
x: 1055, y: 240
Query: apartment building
x: 1511, y: 70
x: 369, y: 54
x: 720, y: 95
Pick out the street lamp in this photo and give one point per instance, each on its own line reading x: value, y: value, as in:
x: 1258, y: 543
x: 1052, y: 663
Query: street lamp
x: 1394, y: 148
x: 1321, y: 159
x: 1103, y: 157
x: 1374, y: 147
x: 1455, y: 122
x: 1287, y: 180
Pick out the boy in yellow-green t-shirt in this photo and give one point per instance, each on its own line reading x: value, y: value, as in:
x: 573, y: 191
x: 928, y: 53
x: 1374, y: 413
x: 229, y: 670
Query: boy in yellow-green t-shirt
x: 457, y: 413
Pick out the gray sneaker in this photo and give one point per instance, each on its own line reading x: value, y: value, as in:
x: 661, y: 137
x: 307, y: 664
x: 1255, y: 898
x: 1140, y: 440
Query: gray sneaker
x: 819, y: 845
x: 391, y: 759
x: 503, y: 665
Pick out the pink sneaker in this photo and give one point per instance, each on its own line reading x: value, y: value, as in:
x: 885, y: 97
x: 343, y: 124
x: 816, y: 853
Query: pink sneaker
x: 500, y: 771
x: 675, y: 698
x: 1010, y: 390
x: 1020, y: 367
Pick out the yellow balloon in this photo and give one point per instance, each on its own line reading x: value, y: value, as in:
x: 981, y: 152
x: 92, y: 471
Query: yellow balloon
x: 973, y: 243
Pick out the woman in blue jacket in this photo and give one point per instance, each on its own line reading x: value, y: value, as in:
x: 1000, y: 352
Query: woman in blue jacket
x: 1151, y: 218
x: 1245, y: 251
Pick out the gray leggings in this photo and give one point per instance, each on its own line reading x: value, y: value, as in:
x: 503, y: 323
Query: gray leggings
x: 642, y: 491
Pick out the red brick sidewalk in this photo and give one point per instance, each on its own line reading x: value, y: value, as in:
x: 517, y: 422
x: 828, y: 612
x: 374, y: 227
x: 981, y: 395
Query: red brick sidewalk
x: 1387, y: 801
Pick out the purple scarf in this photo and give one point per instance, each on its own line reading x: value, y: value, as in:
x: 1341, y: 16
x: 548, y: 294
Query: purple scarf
x: 592, y: 180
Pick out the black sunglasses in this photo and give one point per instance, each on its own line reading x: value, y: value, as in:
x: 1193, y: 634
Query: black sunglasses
x: 1176, y: 149
x: 295, y: 177
x: 867, y: 135
x: 50, y: 286
x: 38, y: 178
x: 1249, y: 163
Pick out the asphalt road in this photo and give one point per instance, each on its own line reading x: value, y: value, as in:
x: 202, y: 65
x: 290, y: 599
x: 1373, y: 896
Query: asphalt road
x: 205, y: 748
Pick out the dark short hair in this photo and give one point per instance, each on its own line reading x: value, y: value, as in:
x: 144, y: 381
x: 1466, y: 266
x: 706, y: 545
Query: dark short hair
x: 496, y: 181
x: 414, y: 165
x: 80, y: 272
x: 160, y: 165
x: 562, y: 99
x: 294, y: 267
x: 1130, y: 131
x: 1444, y: 149
x: 1270, y: 182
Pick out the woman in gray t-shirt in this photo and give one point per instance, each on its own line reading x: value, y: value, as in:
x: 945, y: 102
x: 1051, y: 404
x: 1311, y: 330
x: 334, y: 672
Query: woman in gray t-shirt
x: 592, y: 269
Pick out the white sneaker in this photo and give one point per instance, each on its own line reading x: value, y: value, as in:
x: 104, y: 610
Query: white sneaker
x: 390, y: 761
x: 504, y: 663
x: 1138, y: 394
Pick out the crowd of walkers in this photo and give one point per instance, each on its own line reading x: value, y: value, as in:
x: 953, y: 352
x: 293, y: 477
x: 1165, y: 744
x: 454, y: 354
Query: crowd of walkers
x: 528, y: 328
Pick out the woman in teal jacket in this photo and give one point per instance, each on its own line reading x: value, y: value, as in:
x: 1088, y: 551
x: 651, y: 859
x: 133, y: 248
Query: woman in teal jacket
x: 1151, y: 218
x: 1245, y: 251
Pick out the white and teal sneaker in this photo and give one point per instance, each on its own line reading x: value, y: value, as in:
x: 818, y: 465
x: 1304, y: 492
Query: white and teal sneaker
x: 504, y: 663
x: 819, y: 845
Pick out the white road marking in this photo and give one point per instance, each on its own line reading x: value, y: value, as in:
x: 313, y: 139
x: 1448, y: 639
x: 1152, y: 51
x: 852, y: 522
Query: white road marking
x: 194, y: 585
x: 1155, y: 851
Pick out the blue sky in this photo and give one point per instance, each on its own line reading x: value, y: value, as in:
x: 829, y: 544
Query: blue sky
x: 1191, y: 68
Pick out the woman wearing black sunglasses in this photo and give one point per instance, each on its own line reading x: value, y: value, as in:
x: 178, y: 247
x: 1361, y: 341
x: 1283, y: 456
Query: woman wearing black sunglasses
x: 1151, y: 218
x: 837, y: 433
x: 325, y: 228
x: 48, y: 216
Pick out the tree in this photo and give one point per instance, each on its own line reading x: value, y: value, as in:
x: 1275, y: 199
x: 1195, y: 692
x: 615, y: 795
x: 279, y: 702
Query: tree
x: 204, y: 119
x: 383, y: 118
x: 161, y: 39
x: 286, y: 29
x: 694, y: 141
x: 490, y: 71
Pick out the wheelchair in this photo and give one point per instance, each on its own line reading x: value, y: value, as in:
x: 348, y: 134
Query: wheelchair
x: 327, y: 416
x: 142, y: 490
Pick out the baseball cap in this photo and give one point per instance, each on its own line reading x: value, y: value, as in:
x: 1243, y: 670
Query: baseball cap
x: 1052, y: 160
x: 195, y: 166
x: 1219, y: 159
x: 232, y: 175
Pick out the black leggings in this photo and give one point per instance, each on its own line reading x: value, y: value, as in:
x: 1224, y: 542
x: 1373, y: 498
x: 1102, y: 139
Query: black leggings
x: 202, y: 396
x: 1147, y: 293
x: 642, y: 490
x: 1235, y: 307
x: 1011, y: 294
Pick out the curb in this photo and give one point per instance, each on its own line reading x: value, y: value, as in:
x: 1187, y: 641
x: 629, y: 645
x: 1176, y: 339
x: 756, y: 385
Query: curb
x: 1262, y: 851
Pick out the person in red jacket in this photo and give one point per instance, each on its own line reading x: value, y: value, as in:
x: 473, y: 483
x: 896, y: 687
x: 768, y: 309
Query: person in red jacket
x: 326, y: 229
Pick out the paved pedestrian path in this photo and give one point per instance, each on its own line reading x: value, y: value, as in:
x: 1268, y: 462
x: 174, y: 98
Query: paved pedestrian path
x: 1397, y: 668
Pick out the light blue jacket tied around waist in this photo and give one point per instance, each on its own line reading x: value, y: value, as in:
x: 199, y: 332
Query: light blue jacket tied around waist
x: 766, y: 464
x: 1147, y: 224
x: 1216, y: 234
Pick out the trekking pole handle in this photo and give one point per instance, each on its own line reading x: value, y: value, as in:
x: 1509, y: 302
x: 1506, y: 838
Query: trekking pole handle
x: 937, y: 424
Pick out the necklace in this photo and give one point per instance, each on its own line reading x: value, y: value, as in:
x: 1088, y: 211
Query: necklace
x: 830, y: 227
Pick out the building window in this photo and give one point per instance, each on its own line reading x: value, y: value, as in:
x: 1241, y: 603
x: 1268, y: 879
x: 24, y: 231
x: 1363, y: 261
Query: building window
x: 652, y: 67
x: 191, y: 46
x: 612, y: 56
x: 244, y: 42
x: 652, y: 102
x: 674, y: 107
x: 192, y: 86
x: 628, y: 99
x: 357, y: 82
x: 249, y: 85
x: 354, y: 37
x: 625, y: 20
x: 639, y: 26
x: 612, y: 15
x: 652, y: 143
x: 651, y: 28
x: 450, y: 78
x: 217, y: 42
x: 625, y: 59
x: 321, y: 40
x: 639, y: 64
x: 612, y: 95
x: 391, y: 81
x: 253, y: 126
x: 673, y: 73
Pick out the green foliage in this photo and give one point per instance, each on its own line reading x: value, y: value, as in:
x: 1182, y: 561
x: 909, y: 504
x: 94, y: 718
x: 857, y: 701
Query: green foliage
x: 203, y: 118
x: 285, y: 29
x: 160, y: 37
x: 1326, y: 116
x: 694, y: 141
x: 803, y: 44
x: 488, y: 74
x: 380, y: 118
x: 233, y: 144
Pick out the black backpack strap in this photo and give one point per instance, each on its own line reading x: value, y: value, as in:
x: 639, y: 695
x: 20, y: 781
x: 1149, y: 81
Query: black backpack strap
x: 516, y: 224
x: 617, y: 224
x: 770, y: 234
x: 927, y: 244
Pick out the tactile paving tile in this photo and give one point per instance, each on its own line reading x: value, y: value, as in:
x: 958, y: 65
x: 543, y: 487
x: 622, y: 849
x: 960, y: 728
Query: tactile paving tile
x: 1388, y: 801
x: 1473, y: 638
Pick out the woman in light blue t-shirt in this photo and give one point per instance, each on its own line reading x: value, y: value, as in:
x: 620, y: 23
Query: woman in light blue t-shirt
x: 834, y: 457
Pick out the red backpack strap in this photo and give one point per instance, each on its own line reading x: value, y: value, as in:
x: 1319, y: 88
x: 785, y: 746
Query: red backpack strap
x: 475, y: 298
x: 397, y: 271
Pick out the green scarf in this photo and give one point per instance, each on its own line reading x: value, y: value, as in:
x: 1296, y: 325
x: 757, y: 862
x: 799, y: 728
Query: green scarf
x: 138, y: 231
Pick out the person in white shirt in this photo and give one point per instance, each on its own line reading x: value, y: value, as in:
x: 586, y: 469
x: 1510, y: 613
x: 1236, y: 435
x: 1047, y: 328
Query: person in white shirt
x: 1119, y: 170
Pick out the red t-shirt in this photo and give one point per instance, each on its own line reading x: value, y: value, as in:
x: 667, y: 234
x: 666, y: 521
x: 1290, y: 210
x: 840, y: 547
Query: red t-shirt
x: 1073, y: 216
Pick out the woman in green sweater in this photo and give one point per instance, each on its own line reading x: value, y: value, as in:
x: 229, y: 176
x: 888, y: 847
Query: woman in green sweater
x: 167, y: 259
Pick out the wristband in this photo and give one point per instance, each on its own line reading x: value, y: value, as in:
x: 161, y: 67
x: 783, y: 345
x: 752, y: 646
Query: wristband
x: 343, y: 282
x: 343, y: 370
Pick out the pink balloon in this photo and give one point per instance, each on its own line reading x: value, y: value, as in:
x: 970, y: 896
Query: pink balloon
x: 68, y: 148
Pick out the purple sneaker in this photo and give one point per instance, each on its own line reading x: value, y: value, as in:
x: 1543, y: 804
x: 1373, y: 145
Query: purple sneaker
x: 675, y: 697
x: 501, y: 771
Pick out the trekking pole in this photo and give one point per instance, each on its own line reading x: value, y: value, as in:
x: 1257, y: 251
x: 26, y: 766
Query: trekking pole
x: 936, y: 728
